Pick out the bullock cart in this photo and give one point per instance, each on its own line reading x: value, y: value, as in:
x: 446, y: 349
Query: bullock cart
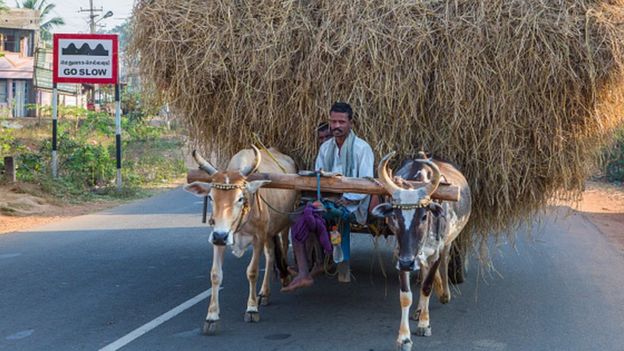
x: 327, y: 184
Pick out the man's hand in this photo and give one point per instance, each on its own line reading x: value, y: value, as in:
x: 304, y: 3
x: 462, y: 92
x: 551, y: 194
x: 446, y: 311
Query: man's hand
x: 343, y: 202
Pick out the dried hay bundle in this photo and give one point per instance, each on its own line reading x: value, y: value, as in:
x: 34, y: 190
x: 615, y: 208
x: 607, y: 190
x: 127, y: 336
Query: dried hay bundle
x: 520, y: 94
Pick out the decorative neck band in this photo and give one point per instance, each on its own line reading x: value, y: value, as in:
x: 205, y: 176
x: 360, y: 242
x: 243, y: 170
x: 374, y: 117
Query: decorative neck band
x: 222, y: 186
x: 421, y: 204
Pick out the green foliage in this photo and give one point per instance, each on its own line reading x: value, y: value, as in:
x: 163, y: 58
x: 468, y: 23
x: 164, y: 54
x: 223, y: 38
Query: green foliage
x: 63, y: 111
x: 8, y: 143
x: 614, y: 166
x: 86, y: 164
x: 136, y: 107
x: 98, y: 122
x: 86, y: 158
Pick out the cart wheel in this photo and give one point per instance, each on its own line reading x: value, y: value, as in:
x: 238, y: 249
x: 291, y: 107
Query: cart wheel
x: 456, y: 269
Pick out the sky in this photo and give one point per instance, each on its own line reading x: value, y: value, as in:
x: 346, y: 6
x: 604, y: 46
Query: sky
x: 76, y: 22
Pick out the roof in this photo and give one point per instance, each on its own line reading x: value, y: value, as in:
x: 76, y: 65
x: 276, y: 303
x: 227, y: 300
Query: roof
x: 16, y: 66
x: 20, y: 19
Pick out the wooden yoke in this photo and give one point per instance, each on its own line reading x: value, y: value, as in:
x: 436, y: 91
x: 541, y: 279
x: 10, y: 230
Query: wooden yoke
x: 446, y: 192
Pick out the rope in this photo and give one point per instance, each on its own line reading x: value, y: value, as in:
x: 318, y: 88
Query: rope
x: 279, y: 211
x: 257, y: 140
x: 318, y: 186
x: 372, y: 179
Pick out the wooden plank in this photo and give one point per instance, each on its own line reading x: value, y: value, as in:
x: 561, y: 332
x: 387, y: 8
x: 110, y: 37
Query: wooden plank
x: 328, y: 184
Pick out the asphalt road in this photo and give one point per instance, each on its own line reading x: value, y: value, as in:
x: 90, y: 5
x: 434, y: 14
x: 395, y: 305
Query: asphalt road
x: 85, y: 283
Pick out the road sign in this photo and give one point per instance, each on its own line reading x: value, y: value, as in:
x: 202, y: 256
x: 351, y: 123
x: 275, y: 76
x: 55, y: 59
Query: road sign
x: 85, y: 58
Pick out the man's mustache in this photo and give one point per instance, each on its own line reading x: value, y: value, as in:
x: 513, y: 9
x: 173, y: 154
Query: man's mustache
x: 339, y: 130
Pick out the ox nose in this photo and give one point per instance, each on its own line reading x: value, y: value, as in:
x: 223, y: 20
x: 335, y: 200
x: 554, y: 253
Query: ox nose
x: 219, y: 238
x: 406, y: 264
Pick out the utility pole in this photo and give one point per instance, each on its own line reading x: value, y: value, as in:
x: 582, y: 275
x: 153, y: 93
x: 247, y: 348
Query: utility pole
x: 92, y: 15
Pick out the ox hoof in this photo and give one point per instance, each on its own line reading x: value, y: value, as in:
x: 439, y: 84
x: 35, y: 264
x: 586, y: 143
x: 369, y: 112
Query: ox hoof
x: 445, y: 299
x: 210, y: 327
x: 423, y: 331
x: 263, y: 299
x: 252, y: 317
x: 405, y: 345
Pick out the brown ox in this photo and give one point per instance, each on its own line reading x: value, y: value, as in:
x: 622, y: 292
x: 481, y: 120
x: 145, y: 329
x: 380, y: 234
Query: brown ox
x: 241, y: 218
x: 425, y: 231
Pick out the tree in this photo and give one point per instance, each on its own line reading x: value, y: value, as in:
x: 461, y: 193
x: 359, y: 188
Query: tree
x: 44, y: 9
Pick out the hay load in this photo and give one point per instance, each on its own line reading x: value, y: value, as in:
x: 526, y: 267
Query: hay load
x: 519, y: 94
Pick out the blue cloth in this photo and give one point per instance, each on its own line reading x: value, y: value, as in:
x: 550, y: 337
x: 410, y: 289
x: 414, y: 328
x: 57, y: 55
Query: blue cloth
x: 340, y: 215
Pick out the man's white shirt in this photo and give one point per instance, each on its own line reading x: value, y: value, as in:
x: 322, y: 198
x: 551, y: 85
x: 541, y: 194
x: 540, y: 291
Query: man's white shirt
x: 363, y: 166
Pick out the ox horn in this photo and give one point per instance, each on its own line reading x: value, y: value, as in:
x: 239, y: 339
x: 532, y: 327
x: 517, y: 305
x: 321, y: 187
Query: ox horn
x: 247, y: 170
x: 203, y: 164
x: 432, y: 186
x: 385, y: 178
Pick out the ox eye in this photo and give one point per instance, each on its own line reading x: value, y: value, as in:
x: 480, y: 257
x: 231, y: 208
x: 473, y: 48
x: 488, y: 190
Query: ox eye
x: 209, y: 198
x: 424, y: 218
x: 241, y: 199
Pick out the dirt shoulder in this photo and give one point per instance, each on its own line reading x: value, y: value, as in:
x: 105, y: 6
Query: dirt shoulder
x: 23, y: 207
x: 602, y: 204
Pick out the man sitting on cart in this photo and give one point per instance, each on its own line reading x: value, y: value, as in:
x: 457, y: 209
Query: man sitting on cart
x: 351, y: 156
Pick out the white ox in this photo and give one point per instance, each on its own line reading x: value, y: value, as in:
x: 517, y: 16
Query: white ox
x: 241, y: 218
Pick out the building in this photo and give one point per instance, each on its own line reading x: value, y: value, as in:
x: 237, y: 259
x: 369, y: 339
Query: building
x: 19, y: 34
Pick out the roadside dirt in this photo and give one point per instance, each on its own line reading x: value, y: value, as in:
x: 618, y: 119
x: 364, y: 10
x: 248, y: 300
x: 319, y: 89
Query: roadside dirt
x: 602, y: 204
x: 22, y: 207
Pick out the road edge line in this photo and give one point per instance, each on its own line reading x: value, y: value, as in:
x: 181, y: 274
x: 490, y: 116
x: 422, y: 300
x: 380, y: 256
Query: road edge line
x: 138, y: 332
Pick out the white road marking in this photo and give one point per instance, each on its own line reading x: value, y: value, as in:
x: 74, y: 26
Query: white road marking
x: 20, y: 335
x: 128, y: 338
x: 11, y: 255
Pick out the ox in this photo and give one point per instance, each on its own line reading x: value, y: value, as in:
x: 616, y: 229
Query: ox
x: 240, y: 218
x: 425, y: 231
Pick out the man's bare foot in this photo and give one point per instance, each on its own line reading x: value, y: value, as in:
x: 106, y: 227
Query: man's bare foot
x: 299, y: 282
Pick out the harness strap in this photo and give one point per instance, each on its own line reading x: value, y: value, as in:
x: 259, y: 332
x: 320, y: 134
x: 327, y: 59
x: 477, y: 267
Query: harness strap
x: 246, y: 213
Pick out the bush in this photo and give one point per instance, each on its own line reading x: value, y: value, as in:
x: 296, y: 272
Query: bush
x: 86, y: 157
x: 614, y: 167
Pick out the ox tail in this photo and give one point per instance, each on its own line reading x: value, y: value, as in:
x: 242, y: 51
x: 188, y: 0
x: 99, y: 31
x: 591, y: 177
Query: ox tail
x: 280, y: 248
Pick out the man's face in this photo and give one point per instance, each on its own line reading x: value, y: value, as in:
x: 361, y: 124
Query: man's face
x: 323, y: 135
x: 339, y: 123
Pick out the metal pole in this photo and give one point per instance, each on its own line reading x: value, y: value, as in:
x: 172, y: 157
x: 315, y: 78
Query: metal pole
x: 118, y: 133
x: 205, y: 209
x: 54, y: 130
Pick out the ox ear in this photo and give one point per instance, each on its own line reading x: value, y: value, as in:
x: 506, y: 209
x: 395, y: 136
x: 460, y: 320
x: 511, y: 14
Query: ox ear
x: 200, y: 189
x: 253, y: 186
x: 437, y: 209
x: 382, y: 210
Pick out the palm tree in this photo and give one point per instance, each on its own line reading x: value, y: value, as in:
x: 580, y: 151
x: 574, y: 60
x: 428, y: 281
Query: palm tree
x: 44, y: 9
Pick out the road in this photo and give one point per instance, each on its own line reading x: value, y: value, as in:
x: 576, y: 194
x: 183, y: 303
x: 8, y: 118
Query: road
x: 85, y: 283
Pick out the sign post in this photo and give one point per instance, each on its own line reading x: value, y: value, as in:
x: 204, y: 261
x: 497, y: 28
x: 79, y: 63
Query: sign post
x: 90, y: 59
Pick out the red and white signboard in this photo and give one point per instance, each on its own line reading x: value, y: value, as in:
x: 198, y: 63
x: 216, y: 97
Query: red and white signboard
x: 85, y: 58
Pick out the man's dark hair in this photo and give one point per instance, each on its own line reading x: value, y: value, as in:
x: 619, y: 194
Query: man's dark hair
x: 323, y: 126
x: 342, y: 107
